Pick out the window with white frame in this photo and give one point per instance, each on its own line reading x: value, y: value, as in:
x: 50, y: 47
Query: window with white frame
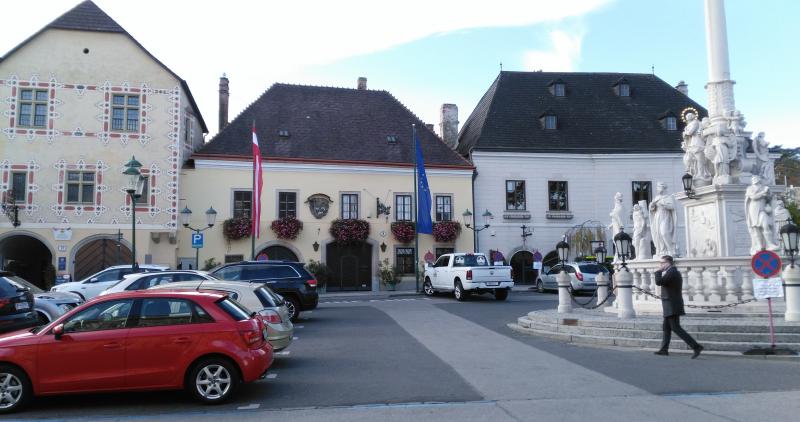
x: 349, y: 206
x: 624, y: 90
x: 80, y: 187
x: 402, y: 208
x: 671, y: 123
x: 550, y: 122
x: 559, y: 90
x: 125, y: 113
x: 557, y: 196
x: 515, y: 195
x: 242, y: 203
x: 404, y: 260
x: 33, y: 107
x: 287, y: 204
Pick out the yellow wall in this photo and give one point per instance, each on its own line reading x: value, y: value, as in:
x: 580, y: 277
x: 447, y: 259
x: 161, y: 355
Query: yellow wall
x: 212, y: 184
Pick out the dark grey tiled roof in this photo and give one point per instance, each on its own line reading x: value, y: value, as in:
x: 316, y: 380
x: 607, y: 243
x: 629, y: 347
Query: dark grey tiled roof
x: 86, y: 16
x: 592, y: 118
x: 330, y: 124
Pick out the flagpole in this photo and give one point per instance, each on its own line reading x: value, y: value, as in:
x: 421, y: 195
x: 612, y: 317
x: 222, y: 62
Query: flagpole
x: 253, y: 210
x: 416, y: 206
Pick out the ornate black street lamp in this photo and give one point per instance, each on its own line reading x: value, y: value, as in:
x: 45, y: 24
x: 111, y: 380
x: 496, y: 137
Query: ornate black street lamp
x: 467, y: 215
x: 10, y: 207
x: 600, y: 254
x: 134, y: 190
x: 622, y: 242
x: 688, y: 188
x: 563, y: 250
x: 211, y: 218
x: 789, y: 239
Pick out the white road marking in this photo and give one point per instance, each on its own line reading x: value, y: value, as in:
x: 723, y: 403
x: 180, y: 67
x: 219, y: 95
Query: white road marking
x: 295, y: 338
x: 272, y: 376
x: 299, y: 326
x: 249, y: 407
x: 283, y: 353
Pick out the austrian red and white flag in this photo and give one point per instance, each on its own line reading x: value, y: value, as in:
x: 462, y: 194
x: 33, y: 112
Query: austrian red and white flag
x: 257, y: 184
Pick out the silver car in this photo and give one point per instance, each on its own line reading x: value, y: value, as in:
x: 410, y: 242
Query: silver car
x: 47, y: 305
x: 256, y: 297
x: 582, y: 276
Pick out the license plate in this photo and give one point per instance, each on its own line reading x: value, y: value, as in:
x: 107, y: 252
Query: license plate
x: 21, y: 306
x: 493, y: 284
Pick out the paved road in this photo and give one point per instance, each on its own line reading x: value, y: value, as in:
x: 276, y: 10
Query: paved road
x: 404, y: 357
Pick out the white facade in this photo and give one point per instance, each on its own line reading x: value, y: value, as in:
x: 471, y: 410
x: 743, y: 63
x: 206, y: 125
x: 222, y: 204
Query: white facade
x: 592, y: 181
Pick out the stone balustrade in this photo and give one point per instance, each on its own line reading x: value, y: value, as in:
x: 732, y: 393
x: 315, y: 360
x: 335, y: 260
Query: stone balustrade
x: 706, y: 281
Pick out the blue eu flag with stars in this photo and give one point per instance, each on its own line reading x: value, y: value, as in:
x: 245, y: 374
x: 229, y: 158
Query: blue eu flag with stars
x: 424, y: 223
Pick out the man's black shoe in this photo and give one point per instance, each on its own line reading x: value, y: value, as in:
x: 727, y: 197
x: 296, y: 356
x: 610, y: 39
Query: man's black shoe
x: 697, y: 351
x: 661, y: 353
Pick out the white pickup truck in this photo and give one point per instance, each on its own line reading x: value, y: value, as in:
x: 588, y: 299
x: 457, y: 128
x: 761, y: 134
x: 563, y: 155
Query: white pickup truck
x: 466, y: 273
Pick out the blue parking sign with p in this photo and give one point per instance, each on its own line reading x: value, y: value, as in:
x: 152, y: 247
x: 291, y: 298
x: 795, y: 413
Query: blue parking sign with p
x: 197, y: 240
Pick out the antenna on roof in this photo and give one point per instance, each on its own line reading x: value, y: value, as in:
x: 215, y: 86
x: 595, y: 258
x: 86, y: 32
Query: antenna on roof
x: 501, y: 66
x: 198, y: 286
x: 653, y: 69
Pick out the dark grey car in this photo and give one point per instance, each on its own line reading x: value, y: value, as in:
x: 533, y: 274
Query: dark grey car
x: 47, y: 306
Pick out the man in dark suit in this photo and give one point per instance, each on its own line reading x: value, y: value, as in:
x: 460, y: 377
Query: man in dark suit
x: 671, y: 284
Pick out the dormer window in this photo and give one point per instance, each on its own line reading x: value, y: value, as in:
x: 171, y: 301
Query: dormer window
x: 549, y: 120
x: 622, y: 88
x: 391, y: 139
x: 283, y: 133
x: 668, y: 120
x: 558, y: 88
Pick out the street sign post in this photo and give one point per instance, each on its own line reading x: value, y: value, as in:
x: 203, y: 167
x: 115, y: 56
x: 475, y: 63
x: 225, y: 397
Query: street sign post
x: 767, y: 264
x: 197, y: 240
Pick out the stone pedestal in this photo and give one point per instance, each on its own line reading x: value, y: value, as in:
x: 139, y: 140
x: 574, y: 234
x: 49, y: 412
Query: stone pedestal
x: 715, y: 222
x: 602, y: 288
x: 791, y: 277
x: 624, y: 282
x: 564, y: 300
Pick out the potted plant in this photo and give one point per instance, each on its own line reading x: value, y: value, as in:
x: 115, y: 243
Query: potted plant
x: 388, y: 274
x: 446, y: 231
x: 403, y: 231
x: 287, y: 227
x: 237, y: 228
x: 349, y: 230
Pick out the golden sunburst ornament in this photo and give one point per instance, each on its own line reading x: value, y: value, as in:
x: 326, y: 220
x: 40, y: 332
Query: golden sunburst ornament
x: 688, y: 110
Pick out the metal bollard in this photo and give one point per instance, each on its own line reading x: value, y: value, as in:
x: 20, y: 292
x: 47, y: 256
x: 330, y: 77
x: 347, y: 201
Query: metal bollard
x: 791, y: 279
x: 602, y: 288
x: 624, y: 281
x: 564, y: 301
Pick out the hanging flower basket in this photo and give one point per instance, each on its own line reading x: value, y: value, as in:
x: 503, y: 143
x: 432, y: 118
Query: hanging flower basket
x: 287, y: 228
x: 237, y: 228
x: 446, y: 231
x: 349, y: 230
x: 403, y: 231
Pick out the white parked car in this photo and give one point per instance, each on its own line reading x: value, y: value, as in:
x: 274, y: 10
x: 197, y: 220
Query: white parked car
x: 141, y: 281
x: 256, y: 297
x: 581, y: 274
x: 467, y: 273
x: 91, y: 286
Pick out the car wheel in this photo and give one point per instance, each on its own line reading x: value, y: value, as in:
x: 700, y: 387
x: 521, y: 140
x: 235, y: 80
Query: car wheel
x: 500, y: 294
x: 539, y: 286
x: 427, y: 288
x: 43, y: 319
x: 459, y: 292
x: 293, y: 306
x: 213, y: 380
x: 15, y: 389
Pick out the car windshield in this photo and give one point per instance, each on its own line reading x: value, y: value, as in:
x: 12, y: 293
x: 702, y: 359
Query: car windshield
x: 21, y: 283
x: 593, y: 269
x: 470, y: 261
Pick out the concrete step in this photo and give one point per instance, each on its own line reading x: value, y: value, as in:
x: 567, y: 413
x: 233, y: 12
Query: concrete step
x: 722, y: 346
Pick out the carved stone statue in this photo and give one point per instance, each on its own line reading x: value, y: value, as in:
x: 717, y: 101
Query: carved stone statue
x: 758, y: 216
x: 781, y: 216
x: 763, y: 166
x: 641, y: 231
x: 693, y: 144
x: 663, y: 221
x: 616, y: 215
x: 736, y: 122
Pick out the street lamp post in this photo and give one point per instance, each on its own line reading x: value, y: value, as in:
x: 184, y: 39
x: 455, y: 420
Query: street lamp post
x: 467, y: 215
x: 525, y: 234
x: 134, y: 190
x: 563, y: 279
x: 211, y: 218
x: 602, y: 282
x: 623, y: 278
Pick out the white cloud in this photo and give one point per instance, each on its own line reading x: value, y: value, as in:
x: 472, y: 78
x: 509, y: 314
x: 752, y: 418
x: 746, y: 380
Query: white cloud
x: 261, y: 42
x: 563, y: 56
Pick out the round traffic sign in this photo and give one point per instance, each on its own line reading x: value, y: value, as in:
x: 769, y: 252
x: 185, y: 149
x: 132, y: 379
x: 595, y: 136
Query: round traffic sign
x: 766, y: 264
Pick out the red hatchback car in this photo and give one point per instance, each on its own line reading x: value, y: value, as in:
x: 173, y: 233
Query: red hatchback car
x: 202, y: 341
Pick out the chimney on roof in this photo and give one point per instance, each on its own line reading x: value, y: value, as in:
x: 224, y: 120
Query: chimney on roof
x: 448, y: 126
x: 683, y: 88
x: 362, y: 83
x: 223, y: 102
x: 429, y: 126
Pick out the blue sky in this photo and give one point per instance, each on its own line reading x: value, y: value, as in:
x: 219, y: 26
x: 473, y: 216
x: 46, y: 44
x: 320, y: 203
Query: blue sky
x: 427, y: 53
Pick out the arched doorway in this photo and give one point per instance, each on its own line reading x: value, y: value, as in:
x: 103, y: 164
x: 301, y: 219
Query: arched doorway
x: 350, y: 266
x: 99, y: 254
x: 29, y: 258
x: 278, y: 253
x: 522, y: 267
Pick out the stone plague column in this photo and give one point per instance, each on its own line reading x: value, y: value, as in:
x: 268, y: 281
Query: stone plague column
x: 720, y: 85
x: 791, y: 277
x: 564, y: 301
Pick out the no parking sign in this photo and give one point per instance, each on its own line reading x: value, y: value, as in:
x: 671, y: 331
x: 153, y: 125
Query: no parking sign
x: 766, y: 264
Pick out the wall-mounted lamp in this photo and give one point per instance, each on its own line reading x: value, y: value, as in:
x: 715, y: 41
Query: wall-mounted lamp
x: 315, y: 245
x: 383, y: 247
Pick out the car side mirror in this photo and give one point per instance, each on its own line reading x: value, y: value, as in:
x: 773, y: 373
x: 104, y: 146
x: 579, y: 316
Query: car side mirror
x: 58, y: 331
x: 427, y: 265
x: 93, y: 279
